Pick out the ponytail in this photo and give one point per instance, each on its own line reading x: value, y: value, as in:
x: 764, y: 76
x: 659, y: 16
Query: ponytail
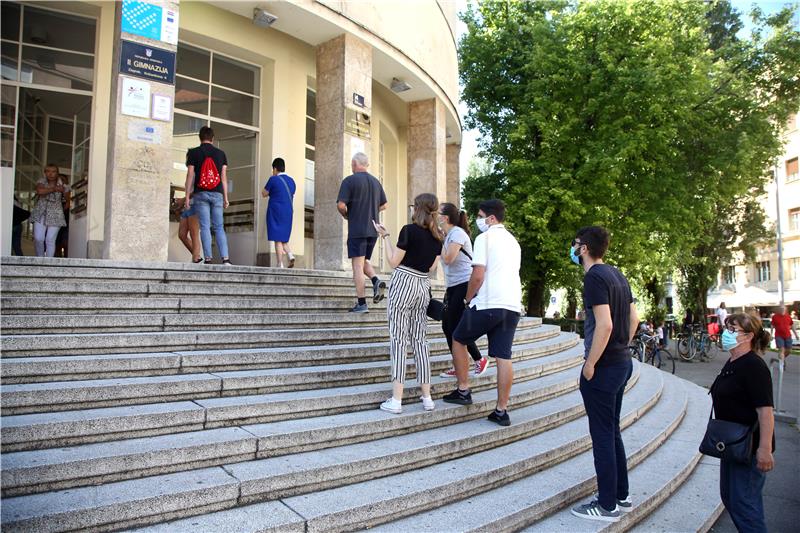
x: 455, y: 216
x: 750, y: 323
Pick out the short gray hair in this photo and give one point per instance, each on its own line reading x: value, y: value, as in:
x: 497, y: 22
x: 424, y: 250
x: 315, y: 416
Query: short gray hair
x: 361, y: 159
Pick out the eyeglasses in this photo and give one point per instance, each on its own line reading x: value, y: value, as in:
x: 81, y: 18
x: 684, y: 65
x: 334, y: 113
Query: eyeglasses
x: 732, y: 329
x: 576, y: 241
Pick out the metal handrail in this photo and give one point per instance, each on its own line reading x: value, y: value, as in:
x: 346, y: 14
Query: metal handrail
x: 780, y: 365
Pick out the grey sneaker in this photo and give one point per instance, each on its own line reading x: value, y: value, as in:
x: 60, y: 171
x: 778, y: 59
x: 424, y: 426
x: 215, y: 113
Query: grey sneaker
x: 594, y: 511
x: 625, y: 506
x: 360, y: 308
x: 377, y: 291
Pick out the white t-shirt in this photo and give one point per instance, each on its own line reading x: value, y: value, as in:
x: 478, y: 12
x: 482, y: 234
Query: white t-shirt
x: 722, y: 314
x: 499, y: 252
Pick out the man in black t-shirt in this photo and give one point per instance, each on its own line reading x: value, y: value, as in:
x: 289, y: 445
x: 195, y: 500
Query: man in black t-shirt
x: 611, y: 321
x: 206, y: 201
x: 361, y: 198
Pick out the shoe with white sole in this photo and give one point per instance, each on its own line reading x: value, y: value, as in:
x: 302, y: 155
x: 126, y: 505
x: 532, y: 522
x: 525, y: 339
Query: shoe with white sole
x: 448, y: 373
x: 481, y: 365
x: 393, y: 406
x: 625, y: 506
x: 594, y: 511
x: 427, y: 403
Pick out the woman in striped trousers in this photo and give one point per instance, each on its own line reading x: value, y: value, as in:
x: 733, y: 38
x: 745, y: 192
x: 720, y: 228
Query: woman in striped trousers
x: 415, y: 256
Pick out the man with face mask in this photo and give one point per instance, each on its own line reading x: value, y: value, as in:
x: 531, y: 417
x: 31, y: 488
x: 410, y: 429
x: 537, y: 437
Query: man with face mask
x: 493, y: 306
x: 611, y: 321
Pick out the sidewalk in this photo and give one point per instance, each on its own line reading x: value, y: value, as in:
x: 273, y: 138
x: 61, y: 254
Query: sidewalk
x: 781, y: 494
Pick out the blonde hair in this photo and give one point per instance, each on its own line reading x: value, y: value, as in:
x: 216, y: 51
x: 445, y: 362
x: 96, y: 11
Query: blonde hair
x: 426, y: 206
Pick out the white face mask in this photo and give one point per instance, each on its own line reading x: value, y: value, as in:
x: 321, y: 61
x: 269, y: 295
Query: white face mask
x: 482, y: 225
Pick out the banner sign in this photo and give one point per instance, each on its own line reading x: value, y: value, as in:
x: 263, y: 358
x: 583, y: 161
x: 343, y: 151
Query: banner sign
x: 151, y: 21
x: 146, y: 62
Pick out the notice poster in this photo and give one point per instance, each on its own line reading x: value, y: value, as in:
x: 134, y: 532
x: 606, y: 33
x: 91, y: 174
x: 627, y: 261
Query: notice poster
x: 135, y: 98
x: 162, y: 107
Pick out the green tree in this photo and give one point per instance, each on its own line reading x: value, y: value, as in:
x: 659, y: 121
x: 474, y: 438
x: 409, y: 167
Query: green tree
x: 610, y: 113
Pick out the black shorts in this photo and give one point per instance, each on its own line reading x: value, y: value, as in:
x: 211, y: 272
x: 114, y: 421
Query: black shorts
x: 499, y: 326
x: 360, y: 246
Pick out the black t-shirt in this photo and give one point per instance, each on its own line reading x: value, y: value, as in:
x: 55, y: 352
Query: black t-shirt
x: 420, y: 245
x: 605, y: 285
x: 741, y: 386
x: 363, y: 195
x: 196, y: 156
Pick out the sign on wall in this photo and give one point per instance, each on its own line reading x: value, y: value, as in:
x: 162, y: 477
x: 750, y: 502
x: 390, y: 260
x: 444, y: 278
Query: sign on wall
x: 135, y: 98
x: 147, y: 62
x: 356, y: 123
x: 149, y: 20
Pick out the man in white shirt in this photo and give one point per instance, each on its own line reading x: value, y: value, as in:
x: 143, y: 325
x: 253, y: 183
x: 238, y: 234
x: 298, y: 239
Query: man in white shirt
x: 493, y: 301
x: 722, y: 314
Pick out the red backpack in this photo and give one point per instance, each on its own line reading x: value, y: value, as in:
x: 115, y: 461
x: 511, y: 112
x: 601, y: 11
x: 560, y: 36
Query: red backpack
x: 209, y: 175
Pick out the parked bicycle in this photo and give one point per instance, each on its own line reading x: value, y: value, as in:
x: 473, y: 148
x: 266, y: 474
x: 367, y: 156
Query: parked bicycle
x: 696, y: 341
x: 648, y: 349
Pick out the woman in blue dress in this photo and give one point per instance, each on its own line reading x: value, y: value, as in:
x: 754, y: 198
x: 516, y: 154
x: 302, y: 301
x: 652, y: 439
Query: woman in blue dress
x: 280, y: 189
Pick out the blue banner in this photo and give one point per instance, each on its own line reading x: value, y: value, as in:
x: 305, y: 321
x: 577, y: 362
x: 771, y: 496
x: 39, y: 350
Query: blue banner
x: 141, y: 18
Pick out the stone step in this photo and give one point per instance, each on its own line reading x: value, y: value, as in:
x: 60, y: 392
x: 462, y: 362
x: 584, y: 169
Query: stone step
x: 92, y: 305
x: 521, y: 500
x: 60, y: 368
x: 67, y: 428
x: 134, y: 502
x: 652, y: 481
x: 108, y: 343
x: 58, y: 468
x: 54, y: 469
x: 81, y: 367
x: 68, y: 395
x: 694, y: 507
x: 54, y: 323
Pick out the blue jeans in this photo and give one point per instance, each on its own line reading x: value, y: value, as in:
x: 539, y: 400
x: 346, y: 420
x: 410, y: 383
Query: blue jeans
x: 740, y: 488
x: 208, y: 207
x: 602, y: 398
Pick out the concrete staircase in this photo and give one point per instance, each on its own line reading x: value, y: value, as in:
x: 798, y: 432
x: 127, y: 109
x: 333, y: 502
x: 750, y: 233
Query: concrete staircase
x: 192, y: 398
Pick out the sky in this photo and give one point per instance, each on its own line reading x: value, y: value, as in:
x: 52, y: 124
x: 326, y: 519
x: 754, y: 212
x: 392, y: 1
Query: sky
x: 469, y: 138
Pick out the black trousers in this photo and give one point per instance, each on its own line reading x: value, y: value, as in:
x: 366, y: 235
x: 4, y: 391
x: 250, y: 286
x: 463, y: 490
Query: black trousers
x: 453, y: 309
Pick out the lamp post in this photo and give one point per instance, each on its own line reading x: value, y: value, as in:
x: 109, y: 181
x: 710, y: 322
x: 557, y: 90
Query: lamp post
x: 780, y: 239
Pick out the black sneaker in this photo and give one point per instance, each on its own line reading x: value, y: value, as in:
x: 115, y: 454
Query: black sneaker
x: 461, y: 398
x: 503, y: 419
x: 377, y: 291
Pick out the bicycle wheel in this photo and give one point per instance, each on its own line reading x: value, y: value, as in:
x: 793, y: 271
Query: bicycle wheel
x: 654, y: 358
x: 686, y: 348
x: 669, y: 360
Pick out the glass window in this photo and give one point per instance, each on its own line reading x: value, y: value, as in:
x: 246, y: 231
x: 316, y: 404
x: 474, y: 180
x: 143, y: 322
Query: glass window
x: 193, y: 62
x: 311, y: 154
x: 10, y: 66
x: 311, y: 131
x: 191, y: 95
x: 233, y: 106
x: 794, y: 220
x: 792, y: 170
x: 60, y: 154
x: 6, y: 147
x: 729, y: 275
x: 238, y: 144
x: 9, y: 14
x: 311, y: 103
x: 235, y: 75
x: 794, y: 267
x: 762, y: 271
x: 57, y: 30
x: 9, y: 105
x: 57, y: 69
x: 60, y: 131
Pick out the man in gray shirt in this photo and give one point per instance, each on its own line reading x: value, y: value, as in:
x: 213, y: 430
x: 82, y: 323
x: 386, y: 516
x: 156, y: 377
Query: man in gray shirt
x: 361, y: 199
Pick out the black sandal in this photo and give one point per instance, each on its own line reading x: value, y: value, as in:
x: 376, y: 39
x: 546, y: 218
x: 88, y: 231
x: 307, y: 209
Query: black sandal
x: 198, y: 260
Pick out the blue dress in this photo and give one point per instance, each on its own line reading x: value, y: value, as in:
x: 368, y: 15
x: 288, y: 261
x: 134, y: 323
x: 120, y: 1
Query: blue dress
x: 281, y: 189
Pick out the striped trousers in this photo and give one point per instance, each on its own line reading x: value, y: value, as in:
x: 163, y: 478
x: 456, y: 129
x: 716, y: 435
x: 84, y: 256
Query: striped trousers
x: 409, y: 295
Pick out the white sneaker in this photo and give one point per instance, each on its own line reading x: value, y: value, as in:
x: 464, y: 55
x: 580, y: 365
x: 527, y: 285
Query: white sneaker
x: 427, y: 403
x: 393, y: 406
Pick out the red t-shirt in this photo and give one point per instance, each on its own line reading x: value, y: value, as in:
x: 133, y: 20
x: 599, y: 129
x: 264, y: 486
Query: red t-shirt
x: 782, y: 325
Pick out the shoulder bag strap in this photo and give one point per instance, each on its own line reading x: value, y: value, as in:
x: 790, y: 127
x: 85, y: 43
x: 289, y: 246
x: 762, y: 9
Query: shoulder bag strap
x: 286, y: 186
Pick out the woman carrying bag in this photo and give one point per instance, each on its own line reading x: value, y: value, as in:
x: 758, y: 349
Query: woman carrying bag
x: 415, y: 256
x: 742, y: 394
x: 457, y: 265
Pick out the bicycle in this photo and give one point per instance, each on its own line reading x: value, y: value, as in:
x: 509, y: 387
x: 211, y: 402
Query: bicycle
x: 709, y: 345
x: 648, y: 349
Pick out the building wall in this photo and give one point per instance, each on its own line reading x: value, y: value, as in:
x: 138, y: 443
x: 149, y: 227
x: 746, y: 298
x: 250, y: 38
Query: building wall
x: 747, y: 289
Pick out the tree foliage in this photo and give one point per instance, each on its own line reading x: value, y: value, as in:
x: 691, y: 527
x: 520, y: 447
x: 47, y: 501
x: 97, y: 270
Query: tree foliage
x: 631, y: 115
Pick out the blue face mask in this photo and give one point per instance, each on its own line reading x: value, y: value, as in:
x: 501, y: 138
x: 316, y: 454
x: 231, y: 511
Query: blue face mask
x: 574, y: 258
x: 729, y: 340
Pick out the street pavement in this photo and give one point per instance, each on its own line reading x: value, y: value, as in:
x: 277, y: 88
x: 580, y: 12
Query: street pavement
x: 782, y: 488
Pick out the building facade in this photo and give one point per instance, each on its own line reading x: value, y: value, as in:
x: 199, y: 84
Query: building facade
x: 114, y: 93
x: 757, y: 285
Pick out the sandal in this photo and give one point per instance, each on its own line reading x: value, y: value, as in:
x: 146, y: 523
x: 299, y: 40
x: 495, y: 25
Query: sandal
x: 198, y: 260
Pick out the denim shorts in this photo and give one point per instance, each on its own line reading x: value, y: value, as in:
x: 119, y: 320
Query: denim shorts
x: 188, y: 212
x: 783, y: 342
x: 499, y: 326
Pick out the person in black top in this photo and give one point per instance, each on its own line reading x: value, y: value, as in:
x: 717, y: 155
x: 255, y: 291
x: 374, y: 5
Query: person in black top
x: 416, y: 254
x: 208, y: 201
x: 361, y: 198
x: 611, y: 321
x: 742, y: 393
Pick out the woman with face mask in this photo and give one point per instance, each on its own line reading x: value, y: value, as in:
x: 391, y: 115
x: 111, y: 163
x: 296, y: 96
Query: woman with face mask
x: 414, y: 257
x: 742, y: 393
x: 457, y: 265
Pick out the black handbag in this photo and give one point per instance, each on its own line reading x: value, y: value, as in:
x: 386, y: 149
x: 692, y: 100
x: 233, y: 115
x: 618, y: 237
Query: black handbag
x: 730, y: 441
x: 435, y: 309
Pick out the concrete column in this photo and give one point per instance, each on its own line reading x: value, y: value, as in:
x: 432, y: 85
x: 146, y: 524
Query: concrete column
x: 138, y: 166
x: 344, y: 68
x: 453, y: 194
x: 427, y: 159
